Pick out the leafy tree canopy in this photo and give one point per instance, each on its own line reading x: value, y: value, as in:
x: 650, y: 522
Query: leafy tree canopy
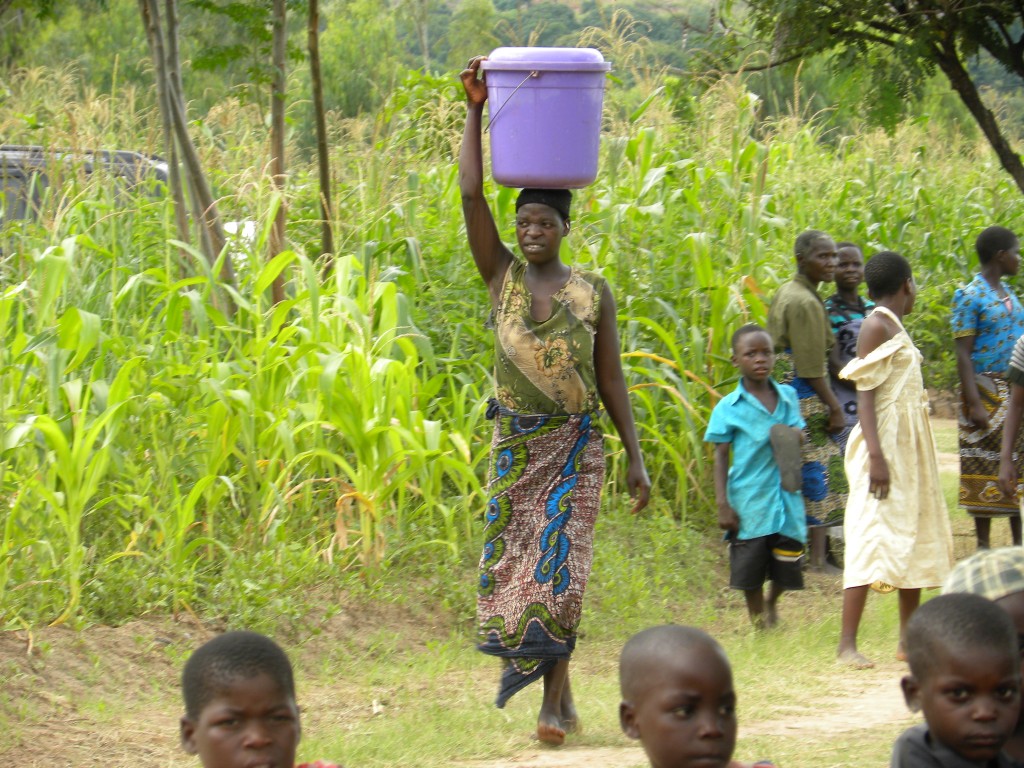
x: 918, y: 38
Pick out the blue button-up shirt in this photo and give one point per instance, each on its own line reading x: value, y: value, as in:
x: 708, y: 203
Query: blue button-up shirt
x: 755, y: 486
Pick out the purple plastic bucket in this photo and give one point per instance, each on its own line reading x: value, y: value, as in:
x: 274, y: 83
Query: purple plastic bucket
x: 545, y: 115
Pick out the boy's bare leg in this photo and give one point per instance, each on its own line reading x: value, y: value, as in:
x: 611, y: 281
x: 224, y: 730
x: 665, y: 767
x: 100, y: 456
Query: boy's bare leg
x: 983, y: 530
x: 771, y: 615
x: 854, y: 599
x: 549, y: 722
x: 755, y: 606
x: 909, y: 600
x: 1015, y: 530
x: 570, y: 718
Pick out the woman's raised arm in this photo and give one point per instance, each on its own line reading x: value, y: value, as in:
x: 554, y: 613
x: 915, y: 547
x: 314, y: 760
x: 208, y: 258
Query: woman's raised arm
x: 490, y: 254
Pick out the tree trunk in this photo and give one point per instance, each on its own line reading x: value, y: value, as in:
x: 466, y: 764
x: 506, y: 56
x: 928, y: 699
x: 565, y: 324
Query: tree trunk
x: 277, y: 166
x: 322, y: 156
x: 425, y: 34
x: 212, y: 228
x: 169, y: 85
x: 156, y: 46
x: 960, y: 79
x: 163, y: 41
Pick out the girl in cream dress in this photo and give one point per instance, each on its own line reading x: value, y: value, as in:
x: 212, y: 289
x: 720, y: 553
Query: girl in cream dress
x: 896, y: 527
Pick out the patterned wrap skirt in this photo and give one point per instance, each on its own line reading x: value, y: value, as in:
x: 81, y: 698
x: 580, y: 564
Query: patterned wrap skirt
x: 980, y: 494
x: 824, y: 477
x: 546, y: 476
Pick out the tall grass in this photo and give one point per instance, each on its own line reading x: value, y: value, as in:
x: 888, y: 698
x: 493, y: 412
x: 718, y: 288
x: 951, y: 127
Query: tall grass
x: 158, y: 454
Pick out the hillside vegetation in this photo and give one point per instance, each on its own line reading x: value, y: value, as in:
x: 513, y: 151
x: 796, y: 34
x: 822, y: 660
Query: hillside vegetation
x: 163, y: 453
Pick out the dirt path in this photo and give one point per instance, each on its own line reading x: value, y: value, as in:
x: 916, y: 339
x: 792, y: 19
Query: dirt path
x: 569, y: 757
x: 56, y: 683
x: 948, y: 461
x: 861, y: 700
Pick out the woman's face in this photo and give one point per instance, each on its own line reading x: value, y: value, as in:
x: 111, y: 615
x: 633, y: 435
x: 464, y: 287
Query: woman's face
x: 1010, y: 259
x: 850, y: 269
x: 539, y: 231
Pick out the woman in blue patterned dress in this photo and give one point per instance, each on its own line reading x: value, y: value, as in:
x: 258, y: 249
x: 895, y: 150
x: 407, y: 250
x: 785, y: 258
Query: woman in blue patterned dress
x: 987, y: 320
x: 556, y: 363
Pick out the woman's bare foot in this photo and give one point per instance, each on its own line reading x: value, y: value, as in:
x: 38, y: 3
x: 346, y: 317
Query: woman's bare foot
x: 854, y: 659
x: 550, y: 730
x: 570, y: 718
x: 901, y: 655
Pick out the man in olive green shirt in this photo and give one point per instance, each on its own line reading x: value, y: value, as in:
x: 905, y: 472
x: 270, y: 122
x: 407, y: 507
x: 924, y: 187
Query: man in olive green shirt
x: 799, y: 324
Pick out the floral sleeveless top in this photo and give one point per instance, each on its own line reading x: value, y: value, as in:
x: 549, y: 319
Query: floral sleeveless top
x: 547, y: 367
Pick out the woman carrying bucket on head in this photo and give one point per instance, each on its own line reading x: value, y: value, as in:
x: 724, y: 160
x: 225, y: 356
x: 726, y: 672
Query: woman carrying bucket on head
x: 556, y: 363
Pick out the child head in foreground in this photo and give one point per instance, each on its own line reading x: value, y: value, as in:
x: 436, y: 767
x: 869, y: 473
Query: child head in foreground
x: 678, y: 698
x: 965, y: 678
x: 240, y: 706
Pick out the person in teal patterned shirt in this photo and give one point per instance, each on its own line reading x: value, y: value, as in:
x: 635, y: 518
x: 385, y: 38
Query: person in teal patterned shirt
x: 846, y: 311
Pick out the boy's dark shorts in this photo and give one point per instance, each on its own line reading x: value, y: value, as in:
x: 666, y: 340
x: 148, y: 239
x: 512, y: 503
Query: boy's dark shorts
x: 775, y: 557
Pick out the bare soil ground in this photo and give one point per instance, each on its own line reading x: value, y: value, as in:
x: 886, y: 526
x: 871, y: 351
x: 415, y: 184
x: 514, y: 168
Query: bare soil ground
x: 55, y: 681
x: 861, y: 701
x: 57, y: 685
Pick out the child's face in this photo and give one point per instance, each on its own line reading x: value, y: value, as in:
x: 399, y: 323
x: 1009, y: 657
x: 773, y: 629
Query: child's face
x: 250, y: 723
x: 687, y: 715
x: 1013, y: 604
x: 850, y: 270
x: 754, y: 355
x: 970, y: 700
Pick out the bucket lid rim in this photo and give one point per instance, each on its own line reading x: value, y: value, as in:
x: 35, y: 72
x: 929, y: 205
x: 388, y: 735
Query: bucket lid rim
x: 539, y: 57
x: 547, y: 66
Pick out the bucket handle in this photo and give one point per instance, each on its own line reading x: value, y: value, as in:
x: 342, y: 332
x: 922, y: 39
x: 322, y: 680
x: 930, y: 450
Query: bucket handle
x: 494, y: 117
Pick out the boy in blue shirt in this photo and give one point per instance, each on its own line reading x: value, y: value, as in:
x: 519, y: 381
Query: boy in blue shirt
x: 764, y: 521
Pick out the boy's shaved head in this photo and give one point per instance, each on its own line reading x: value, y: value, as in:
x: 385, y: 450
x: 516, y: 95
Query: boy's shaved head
x: 230, y: 655
x: 643, y: 654
x: 743, y: 330
x: 953, y: 623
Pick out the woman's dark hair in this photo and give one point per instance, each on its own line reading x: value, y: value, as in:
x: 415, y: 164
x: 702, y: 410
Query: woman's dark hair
x: 885, y: 272
x: 559, y: 199
x: 991, y: 241
x: 215, y: 665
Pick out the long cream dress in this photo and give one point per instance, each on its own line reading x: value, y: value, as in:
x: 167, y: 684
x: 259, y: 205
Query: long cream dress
x: 905, y: 540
